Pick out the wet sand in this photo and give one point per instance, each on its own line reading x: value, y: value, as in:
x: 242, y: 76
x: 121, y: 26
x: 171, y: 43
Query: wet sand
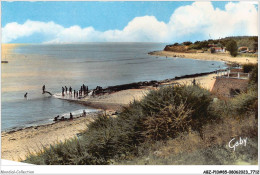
x: 16, y: 144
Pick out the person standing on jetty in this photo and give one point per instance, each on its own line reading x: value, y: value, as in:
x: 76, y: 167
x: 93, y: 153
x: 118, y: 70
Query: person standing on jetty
x: 71, y: 116
x: 62, y: 91
x: 84, y: 89
x: 81, y: 90
x: 70, y: 90
x: 66, y: 89
x: 87, y: 90
x: 43, y: 89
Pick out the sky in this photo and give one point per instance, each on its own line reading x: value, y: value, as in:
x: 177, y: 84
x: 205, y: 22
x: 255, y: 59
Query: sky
x: 154, y: 21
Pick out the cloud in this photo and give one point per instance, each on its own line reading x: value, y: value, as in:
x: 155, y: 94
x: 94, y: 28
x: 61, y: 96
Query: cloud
x: 14, y: 30
x: 198, y: 19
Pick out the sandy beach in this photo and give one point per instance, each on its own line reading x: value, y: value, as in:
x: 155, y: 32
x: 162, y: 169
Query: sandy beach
x: 15, y: 145
x: 208, y: 56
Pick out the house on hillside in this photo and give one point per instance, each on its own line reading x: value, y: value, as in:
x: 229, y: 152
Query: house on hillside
x: 217, y: 49
x: 243, y: 49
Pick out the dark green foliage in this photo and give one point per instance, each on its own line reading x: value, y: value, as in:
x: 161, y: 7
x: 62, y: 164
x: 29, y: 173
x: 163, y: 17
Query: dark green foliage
x: 199, y: 45
x: 253, y: 70
x: 187, y: 43
x: 176, y: 44
x: 196, y: 99
x: 249, y: 67
x: 232, y: 48
x: 254, y: 75
x: 71, y: 152
x: 168, y: 123
x: 212, y: 50
x: 244, y: 104
x: 248, y: 41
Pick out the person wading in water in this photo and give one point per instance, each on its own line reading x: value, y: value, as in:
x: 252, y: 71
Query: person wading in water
x: 25, y: 95
x: 43, y: 89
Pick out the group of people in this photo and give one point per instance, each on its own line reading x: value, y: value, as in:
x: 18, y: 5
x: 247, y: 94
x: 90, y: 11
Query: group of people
x: 83, y: 91
x: 63, y: 118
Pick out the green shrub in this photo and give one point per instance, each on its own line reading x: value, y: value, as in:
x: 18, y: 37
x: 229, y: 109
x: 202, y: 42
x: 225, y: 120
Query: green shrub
x: 243, y: 104
x: 187, y: 43
x: 168, y: 123
x: 254, y: 75
x: 70, y: 152
x: 248, y: 67
x: 232, y: 47
x: 195, y: 98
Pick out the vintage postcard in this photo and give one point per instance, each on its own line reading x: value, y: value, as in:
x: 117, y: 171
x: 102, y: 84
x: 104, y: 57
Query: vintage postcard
x: 129, y: 83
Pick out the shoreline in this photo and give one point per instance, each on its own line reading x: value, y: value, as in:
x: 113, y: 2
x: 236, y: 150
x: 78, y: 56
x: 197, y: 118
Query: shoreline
x: 228, y: 59
x: 17, y: 144
x: 12, y: 130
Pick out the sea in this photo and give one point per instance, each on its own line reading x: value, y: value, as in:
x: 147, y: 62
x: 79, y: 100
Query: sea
x: 31, y: 66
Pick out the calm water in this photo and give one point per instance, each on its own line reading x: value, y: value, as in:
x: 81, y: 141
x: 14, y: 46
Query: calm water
x: 93, y: 64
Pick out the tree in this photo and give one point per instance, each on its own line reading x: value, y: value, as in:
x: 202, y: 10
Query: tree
x: 187, y: 43
x: 212, y: 50
x: 232, y: 47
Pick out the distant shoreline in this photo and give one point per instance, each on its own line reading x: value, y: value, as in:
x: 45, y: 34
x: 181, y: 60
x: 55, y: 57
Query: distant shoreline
x: 207, y: 56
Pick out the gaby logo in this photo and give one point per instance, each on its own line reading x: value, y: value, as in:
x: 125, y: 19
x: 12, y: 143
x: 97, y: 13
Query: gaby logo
x: 233, y: 143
